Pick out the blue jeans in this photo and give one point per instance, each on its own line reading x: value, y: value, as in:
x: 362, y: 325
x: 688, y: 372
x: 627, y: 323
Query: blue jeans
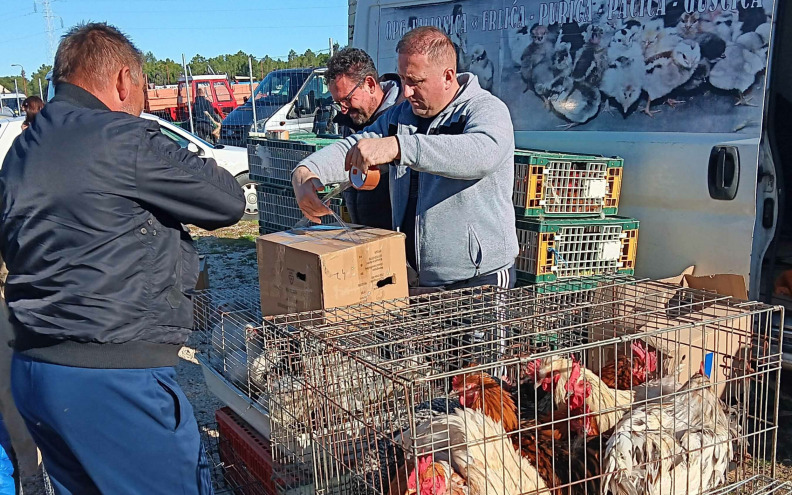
x: 111, y: 431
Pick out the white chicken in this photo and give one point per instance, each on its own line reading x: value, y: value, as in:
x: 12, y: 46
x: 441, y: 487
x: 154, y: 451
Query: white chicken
x: 737, y: 71
x: 682, y: 445
x: 477, y: 448
x: 623, y: 81
x: 482, y: 66
x: 725, y: 23
x: 666, y: 73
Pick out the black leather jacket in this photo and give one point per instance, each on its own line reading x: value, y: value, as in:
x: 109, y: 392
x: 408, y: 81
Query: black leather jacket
x: 100, y: 269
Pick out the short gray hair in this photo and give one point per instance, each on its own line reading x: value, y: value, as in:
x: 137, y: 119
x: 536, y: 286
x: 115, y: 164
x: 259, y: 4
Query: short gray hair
x: 89, y: 53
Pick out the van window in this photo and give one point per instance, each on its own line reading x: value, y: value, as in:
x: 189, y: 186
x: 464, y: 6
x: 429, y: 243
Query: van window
x: 207, y: 89
x: 273, y: 90
x: 315, y: 94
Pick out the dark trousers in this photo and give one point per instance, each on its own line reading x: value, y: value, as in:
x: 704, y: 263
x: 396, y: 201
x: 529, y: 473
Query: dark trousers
x: 108, y: 431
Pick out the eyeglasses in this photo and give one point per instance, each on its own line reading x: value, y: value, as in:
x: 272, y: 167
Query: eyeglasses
x: 344, y: 102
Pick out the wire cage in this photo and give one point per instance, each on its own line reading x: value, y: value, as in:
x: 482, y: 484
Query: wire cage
x: 278, y: 209
x: 608, y: 385
x: 562, y: 184
x: 233, y: 343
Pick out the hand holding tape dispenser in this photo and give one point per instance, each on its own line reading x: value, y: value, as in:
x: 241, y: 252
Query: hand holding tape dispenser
x: 362, y: 181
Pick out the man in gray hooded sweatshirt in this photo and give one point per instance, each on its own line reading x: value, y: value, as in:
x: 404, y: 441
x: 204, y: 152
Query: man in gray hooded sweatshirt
x: 450, y: 147
x: 361, y: 96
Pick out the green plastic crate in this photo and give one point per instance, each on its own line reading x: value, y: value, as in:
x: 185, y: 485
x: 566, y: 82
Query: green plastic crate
x: 567, y: 248
x: 548, y: 184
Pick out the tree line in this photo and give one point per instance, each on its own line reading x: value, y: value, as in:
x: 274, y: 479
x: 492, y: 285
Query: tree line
x: 167, y: 71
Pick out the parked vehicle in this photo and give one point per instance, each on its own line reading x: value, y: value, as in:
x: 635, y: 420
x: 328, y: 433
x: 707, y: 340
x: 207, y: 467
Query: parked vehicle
x: 171, y: 103
x: 11, y: 102
x: 286, y: 99
x: 700, y: 123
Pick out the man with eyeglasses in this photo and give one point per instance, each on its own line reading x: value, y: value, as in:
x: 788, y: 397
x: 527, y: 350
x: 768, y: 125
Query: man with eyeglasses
x: 360, y: 97
x: 450, y: 148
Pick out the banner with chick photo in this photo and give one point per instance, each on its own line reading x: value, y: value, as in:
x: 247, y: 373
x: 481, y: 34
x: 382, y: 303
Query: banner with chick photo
x: 692, y: 66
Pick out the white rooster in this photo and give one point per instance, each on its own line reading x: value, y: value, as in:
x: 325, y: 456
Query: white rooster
x: 682, y: 445
x: 479, y: 449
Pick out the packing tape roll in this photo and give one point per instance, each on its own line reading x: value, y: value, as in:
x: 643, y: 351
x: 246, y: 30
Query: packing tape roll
x: 364, y: 182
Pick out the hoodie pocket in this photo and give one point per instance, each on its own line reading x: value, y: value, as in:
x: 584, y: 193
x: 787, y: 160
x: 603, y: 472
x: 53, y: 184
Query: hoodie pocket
x: 474, y: 248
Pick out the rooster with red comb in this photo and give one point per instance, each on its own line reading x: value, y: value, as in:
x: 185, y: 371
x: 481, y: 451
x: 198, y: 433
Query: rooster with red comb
x: 435, y: 477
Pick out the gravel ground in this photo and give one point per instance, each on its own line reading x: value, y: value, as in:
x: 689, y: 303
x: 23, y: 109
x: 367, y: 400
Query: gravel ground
x: 231, y: 254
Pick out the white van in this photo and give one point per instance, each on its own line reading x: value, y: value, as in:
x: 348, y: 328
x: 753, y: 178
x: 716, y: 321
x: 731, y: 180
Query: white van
x: 701, y: 159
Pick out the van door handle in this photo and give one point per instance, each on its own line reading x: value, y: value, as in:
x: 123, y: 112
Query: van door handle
x: 723, y: 175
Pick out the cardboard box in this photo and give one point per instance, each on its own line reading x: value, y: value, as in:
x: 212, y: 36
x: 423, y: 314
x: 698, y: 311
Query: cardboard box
x: 326, y: 267
x: 682, y: 325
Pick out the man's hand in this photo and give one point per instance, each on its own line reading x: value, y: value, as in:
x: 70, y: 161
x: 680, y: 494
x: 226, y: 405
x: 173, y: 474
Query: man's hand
x: 371, y: 152
x: 305, y: 184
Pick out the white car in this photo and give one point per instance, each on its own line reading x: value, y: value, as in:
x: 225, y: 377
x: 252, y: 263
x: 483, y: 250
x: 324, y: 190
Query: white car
x: 232, y: 158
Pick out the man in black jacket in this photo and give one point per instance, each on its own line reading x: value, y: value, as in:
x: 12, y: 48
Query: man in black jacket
x: 361, y: 97
x: 100, y: 276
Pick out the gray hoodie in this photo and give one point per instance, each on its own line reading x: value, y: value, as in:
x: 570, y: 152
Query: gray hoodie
x: 465, y: 216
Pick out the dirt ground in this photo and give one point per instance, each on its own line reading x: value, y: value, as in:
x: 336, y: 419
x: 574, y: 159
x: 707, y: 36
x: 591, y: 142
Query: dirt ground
x: 231, y: 254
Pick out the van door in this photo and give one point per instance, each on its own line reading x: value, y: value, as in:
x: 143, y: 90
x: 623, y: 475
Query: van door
x: 674, y: 87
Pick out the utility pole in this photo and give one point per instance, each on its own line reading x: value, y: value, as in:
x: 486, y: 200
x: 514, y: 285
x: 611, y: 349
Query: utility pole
x: 49, y: 18
x: 41, y: 92
x: 331, y: 47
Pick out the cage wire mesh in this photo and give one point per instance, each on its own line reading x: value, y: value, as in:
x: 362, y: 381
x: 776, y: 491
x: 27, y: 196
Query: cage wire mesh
x: 258, y: 366
x: 518, y: 391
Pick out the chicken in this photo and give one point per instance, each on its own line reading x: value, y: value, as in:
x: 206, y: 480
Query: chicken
x: 669, y: 70
x: 724, y: 23
x: 216, y: 125
x: 656, y: 38
x: 536, y: 56
x: 569, y: 375
x: 623, y: 81
x: 591, y: 60
x: 479, y: 391
x: 544, y: 440
x: 435, y: 478
x: 576, y: 101
x: 737, y: 71
x: 690, y: 26
x: 479, y: 449
x: 519, y: 41
x: 630, y: 370
x: 679, y: 446
x: 482, y: 66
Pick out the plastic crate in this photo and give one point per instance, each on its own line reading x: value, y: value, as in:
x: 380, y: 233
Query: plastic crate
x: 557, y: 184
x: 278, y: 209
x: 239, y: 442
x: 271, y: 161
x: 563, y: 249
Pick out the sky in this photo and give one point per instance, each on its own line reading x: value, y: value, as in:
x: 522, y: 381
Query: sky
x: 169, y: 28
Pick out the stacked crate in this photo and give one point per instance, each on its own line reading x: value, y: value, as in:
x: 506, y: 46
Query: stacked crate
x: 566, y: 208
x: 271, y: 162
